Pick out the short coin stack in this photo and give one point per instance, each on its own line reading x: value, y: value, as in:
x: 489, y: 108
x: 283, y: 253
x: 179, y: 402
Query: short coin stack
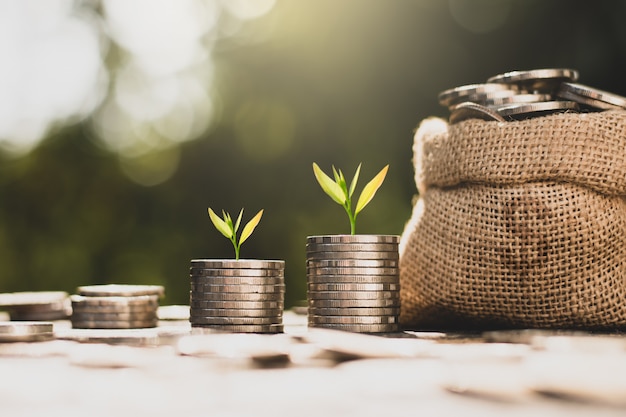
x: 239, y: 296
x: 36, y: 305
x: 519, y: 95
x: 116, y: 306
x: 353, y: 282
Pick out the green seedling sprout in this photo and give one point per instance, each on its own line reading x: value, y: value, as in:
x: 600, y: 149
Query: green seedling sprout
x: 338, y: 190
x: 228, y: 229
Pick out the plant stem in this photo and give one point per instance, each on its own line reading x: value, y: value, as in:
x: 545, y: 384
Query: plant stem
x: 351, y: 216
x: 234, y: 240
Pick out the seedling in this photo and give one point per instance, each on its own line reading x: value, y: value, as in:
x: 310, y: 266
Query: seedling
x: 227, y: 228
x: 338, y: 190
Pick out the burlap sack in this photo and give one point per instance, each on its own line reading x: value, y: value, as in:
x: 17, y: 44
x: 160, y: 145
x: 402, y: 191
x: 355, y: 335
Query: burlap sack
x: 518, y: 224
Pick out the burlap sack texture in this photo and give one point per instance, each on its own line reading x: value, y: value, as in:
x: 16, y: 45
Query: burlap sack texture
x: 518, y: 224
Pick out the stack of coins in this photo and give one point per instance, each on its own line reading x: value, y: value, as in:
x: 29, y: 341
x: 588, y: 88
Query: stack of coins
x: 353, y: 282
x: 519, y: 95
x: 239, y: 296
x: 36, y: 306
x: 116, y: 306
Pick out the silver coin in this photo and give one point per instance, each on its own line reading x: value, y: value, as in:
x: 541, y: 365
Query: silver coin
x: 225, y: 312
x: 143, y: 316
x: 113, y: 324
x: 351, y: 303
x: 233, y: 296
x: 128, y: 337
x: 243, y: 288
x: 245, y: 328
x: 352, y: 271
x: 31, y: 298
x: 456, y: 94
x: 360, y: 328
x: 591, y: 96
x: 214, y: 280
x: 353, y: 279
x: 238, y: 264
x: 538, y: 80
x: 201, y: 272
x: 516, y: 99
x: 104, y: 309
x: 392, y: 256
x: 39, y: 315
x: 238, y: 305
x: 355, y: 311
x: 25, y: 331
x: 144, y: 300
x: 352, y: 263
x: 235, y: 320
x: 527, y: 110
x: 468, y: 110
x: 173, y: 312
x: 351, y: 247
x: 482, y: 97
x: 355, y: 295
x: 352, y: 319
x: 120, y: 290
x: 353, y: 239
x: 353, y: 287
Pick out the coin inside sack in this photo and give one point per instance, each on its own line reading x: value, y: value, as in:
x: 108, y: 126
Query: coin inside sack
x: 516, y: 99
x: 528, y: 110
x: 590, y: 96
x: 469, y: 110
x: 457, y: 95
x: 543, y: 81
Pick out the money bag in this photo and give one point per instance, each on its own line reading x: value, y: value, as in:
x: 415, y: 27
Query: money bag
x: 517, y: 224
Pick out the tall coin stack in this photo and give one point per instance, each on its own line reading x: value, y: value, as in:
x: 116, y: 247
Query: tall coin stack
x: 116, y: 306
x: 519, y: 95
x: 353, y: 282
x: 239, y: 296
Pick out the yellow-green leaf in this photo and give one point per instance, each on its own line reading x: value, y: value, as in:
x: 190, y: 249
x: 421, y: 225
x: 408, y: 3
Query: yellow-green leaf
x: 249, y: 227
x: 236, y: 227
x: 370, y: 190
x: 220, y: 224
x: 354, y: 180
x: 329, y: 186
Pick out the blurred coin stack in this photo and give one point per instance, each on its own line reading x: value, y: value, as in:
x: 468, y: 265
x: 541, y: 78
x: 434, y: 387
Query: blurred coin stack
x: 353, y: 282
x: 36, y: 306
x: 519, y: 95
x: 239, y: 296
x: 116, y: 306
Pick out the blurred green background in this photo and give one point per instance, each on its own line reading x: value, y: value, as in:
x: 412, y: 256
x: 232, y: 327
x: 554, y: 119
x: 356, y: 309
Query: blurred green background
x: 122, y: 121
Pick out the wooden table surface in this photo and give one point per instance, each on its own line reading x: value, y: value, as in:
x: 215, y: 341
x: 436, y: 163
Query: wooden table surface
x: 166, y: 371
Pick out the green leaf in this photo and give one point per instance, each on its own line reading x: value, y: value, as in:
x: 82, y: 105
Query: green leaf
x: 329, y: 186
x: 220, y: 224
x: 370, y: 190
x: 249, y: 227
x: 238, y: 222
x: 354, y: 180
